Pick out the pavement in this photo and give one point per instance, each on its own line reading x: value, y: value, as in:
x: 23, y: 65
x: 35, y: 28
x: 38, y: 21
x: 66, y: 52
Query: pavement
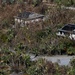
x: 60, y: 59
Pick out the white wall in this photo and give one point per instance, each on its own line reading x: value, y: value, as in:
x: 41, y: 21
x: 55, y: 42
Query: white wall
x: 26, y: 22
x: 19, y: 20
x: 60, y: 34
x: 72, y: 36
x: 16, y: 19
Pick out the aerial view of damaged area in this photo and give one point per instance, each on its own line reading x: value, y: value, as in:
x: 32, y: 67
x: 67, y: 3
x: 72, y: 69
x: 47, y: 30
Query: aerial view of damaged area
x: 37, y: 37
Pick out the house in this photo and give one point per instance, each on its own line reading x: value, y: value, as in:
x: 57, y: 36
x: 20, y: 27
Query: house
x: 67, y: 30
x: 25, y: 18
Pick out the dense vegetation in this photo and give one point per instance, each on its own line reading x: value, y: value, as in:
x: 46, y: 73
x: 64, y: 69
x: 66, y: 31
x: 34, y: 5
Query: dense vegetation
x: 37, y: 38
x: 19, y: 62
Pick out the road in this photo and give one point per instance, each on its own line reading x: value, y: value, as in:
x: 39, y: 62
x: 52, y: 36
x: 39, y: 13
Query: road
x: 70, y: 8
x: 61, y: 60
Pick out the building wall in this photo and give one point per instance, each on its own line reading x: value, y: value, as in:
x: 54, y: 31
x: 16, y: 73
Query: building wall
x: 60, y: 34
x: 23, y: 22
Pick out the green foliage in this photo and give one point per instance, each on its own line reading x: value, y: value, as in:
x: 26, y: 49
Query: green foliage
x: 43, y: 33
x: 5, y: 23
x: 3, y: 38
x: 65, y: 2
x: 7, y: 36
x: 36, y: 69
x: 8, y: 1
x: 71, y: 50
x: 20, y: 1
x: 26, y: 58
x: 37, y: 2
x: 58, y: 1
x: 10, y: 35
x: 72, y: 62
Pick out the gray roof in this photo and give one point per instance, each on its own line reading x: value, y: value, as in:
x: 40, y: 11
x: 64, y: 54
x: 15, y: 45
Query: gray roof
x: 67, y: 28
x: 24, y: 15
x: 29, y: 15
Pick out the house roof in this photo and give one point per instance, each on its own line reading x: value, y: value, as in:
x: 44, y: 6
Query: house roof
x: 68, y: 28
x: 29, y: 15
x: 24, y: 15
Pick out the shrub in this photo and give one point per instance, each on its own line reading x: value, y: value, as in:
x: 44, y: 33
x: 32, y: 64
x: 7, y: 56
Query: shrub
x: 36, y: 2
x: 71, y: 50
